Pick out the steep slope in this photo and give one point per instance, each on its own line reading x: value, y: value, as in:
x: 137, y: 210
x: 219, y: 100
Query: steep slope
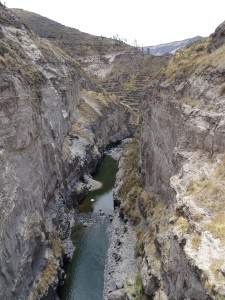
x: 55, y: 123
x: 121, y: 69
x: 172, y: 187
x: 73, y: 41
x: 124, y: 74
x: 182, y: 162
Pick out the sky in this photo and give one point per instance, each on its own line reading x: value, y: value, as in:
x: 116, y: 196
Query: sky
x: 146, y: 21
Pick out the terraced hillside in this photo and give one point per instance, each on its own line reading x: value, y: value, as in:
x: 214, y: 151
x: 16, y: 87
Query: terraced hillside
x: 119, y: 68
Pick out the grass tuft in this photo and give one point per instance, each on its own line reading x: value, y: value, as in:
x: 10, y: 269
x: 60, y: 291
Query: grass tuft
x: 196, y: 241
x: 217, y: 227
x: 138, y: 287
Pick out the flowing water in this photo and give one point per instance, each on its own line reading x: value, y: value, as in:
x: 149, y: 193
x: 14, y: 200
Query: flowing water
x: 85, y: 273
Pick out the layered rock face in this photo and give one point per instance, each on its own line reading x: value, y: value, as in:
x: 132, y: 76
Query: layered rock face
x: 52, y: 135
x: 182, y: 168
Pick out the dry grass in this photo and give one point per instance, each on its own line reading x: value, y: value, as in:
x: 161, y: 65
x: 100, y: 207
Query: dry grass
x: 196, y: 241
x: 190, y: 101
x: 49, y: 273
x: 102, y: 99
x: 57, y: 247
x: 139, y: 246
x: 209, y: 192
x: 182, y: 224
x: 14, y: 60
x: 131, y: 187
x: 138, y: 203
x: 87, y: 112
x: 217, y: 227
x: 215, y: 269
x: 47, y: 277
x: 187, y: 59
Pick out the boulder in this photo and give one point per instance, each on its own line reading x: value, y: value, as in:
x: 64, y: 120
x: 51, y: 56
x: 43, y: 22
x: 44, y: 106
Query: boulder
x: 117, y: 295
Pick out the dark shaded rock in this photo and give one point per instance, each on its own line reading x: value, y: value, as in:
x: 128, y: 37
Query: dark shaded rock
x: 218, y: 38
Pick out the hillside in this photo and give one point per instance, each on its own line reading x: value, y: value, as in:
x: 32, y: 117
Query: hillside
x: 169, y: 47
x: 120, y: 69
x: 177, y: 202
x: 71, y: 40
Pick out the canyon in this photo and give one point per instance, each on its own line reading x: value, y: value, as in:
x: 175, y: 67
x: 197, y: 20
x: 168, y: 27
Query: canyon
x: 62, y: 104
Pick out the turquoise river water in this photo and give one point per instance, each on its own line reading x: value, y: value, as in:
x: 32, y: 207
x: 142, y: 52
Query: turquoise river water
x: 85, y: 273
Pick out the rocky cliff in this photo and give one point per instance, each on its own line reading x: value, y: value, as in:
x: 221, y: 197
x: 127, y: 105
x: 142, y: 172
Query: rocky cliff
x: 171, y: 183
x: 119, y: 68
x: 182, y: 170
x: 55, y: 123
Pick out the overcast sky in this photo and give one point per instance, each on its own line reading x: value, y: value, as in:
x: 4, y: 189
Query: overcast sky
x: 149, y: 22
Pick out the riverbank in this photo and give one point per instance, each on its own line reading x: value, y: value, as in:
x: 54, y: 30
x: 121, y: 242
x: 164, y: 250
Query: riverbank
x: 121, y: 267
x: 85, y: 273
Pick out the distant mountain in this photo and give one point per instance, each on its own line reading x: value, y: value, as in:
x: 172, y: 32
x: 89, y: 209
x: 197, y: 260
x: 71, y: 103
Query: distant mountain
x: 169, y: 47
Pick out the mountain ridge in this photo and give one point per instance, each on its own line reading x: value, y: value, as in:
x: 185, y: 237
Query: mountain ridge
x: 170, y: 47
x: 73, y: 41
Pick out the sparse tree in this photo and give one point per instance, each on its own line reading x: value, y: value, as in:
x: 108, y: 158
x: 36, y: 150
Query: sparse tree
x: 135, y: 43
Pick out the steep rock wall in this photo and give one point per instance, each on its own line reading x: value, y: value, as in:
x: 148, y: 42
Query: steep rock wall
x: 181, y: 163
x: 48, y: 142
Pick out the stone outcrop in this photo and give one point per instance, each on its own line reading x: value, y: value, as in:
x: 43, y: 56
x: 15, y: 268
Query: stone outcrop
x: 218, y: 38
x: 52, y: 135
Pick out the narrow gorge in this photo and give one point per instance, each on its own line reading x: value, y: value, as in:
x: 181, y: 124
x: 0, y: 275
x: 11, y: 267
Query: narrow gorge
x: 67, y: 97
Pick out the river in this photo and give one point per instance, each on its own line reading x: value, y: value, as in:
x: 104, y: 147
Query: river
x: 85, y: 273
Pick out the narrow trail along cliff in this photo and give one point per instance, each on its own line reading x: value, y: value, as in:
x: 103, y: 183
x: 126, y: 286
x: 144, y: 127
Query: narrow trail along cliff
x: 62, y: 104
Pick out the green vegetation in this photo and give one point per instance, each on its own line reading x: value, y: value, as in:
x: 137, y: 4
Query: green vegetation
x: 130, y: 84
x: 138, y: 288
